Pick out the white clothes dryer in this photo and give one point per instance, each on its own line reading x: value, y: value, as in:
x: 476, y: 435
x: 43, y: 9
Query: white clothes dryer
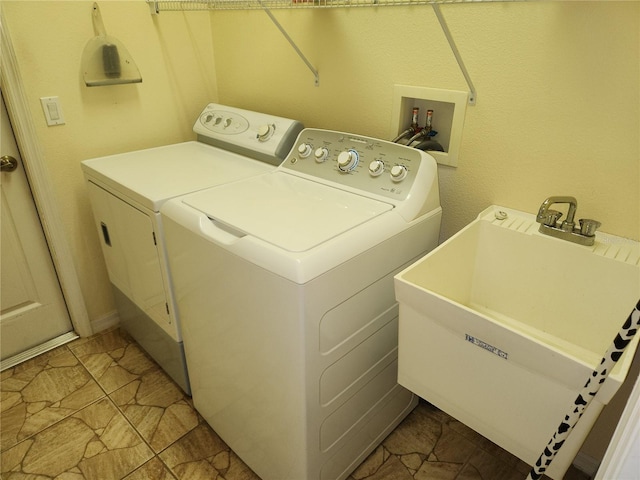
x: 127, y: 191
x: 284, y: 282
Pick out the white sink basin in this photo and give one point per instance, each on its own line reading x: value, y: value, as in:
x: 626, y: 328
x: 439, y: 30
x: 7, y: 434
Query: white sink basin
x: 501, y: 326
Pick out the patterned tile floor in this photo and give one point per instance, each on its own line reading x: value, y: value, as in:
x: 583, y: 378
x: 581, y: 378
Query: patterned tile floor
x: 100, y: 408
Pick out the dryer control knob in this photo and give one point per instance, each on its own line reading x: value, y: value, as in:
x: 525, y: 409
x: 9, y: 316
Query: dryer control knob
x: 376, y: 168
x: 321, y: 154
x: 347, y: 160
x: 304, y: 150
x: 265, y: 132
x: 398, y: 173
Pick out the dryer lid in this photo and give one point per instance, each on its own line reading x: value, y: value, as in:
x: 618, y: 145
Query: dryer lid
x: 287, y: 211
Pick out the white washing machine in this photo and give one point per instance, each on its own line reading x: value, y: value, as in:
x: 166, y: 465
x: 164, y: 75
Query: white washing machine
x: 284, y: 282
x: 127, y: 191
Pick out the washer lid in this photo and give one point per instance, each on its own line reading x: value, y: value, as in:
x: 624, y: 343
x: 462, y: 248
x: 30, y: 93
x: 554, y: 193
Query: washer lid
x: 287, y: 211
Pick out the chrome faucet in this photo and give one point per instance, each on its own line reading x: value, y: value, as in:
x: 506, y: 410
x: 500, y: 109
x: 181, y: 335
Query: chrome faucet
x: 550, y: 224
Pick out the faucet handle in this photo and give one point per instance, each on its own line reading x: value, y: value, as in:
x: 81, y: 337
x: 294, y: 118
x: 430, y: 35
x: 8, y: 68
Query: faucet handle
x: 549, y: 217
x: 588, y: 227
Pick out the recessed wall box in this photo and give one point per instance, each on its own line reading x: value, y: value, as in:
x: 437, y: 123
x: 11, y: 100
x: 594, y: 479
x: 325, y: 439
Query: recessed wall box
x: 449, y: 107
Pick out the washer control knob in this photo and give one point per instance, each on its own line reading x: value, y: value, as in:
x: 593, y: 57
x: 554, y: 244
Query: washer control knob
x: 265, y: 132
x: 376, y: 168
x: 398, y: 173
x: 304, y: 150
x: 321, y: 154
x: 347, y: 160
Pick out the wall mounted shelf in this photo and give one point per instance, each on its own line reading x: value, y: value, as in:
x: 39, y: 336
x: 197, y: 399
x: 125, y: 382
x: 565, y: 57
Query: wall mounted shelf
x: 267, y: 5
x: 169, y: 5
x: 105, y: 59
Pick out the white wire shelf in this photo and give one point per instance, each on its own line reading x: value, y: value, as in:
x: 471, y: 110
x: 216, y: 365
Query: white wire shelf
x: 195, y: 5
x: 158, y: 6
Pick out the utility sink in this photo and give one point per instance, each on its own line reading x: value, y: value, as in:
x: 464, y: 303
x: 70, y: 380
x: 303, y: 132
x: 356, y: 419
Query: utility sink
x: 501, y: 326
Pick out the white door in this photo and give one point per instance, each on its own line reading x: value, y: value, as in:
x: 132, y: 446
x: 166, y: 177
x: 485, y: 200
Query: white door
x: 32, y: 308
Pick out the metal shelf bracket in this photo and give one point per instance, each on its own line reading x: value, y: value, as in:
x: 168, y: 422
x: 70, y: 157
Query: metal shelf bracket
x: 447, y: 33
x: 292, y: 43
x: 154, y: 6
x: 267, y: 5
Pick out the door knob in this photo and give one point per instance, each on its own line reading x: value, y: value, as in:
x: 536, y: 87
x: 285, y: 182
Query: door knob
x: 8, y: 163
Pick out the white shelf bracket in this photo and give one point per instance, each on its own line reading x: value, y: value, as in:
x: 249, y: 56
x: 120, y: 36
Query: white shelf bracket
x: 292, y: 43
x: 456, y: 53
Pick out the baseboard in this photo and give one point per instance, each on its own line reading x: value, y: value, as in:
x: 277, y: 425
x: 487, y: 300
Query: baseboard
x: 586, y: 464
x: 106, y: 321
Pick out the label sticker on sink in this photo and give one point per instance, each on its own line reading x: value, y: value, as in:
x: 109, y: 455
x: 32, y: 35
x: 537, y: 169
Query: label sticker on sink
x: 479, y: 343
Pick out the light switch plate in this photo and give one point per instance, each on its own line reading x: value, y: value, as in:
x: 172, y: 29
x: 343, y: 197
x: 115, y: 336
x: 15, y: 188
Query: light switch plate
x: 52, y: 110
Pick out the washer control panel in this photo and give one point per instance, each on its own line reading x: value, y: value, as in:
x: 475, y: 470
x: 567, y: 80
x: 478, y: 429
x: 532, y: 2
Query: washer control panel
x: 258, y: 135
x: 364, y: 163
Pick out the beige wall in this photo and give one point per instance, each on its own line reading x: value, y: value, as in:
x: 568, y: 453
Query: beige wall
x: 175, y: 57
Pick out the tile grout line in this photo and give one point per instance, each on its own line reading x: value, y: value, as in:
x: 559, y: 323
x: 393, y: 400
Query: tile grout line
x: 119, y: 409
x: 121, y: 412
x: 60, y: 348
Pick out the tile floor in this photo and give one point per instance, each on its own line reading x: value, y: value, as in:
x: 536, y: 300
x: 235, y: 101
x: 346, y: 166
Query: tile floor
x: 100, y: 408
